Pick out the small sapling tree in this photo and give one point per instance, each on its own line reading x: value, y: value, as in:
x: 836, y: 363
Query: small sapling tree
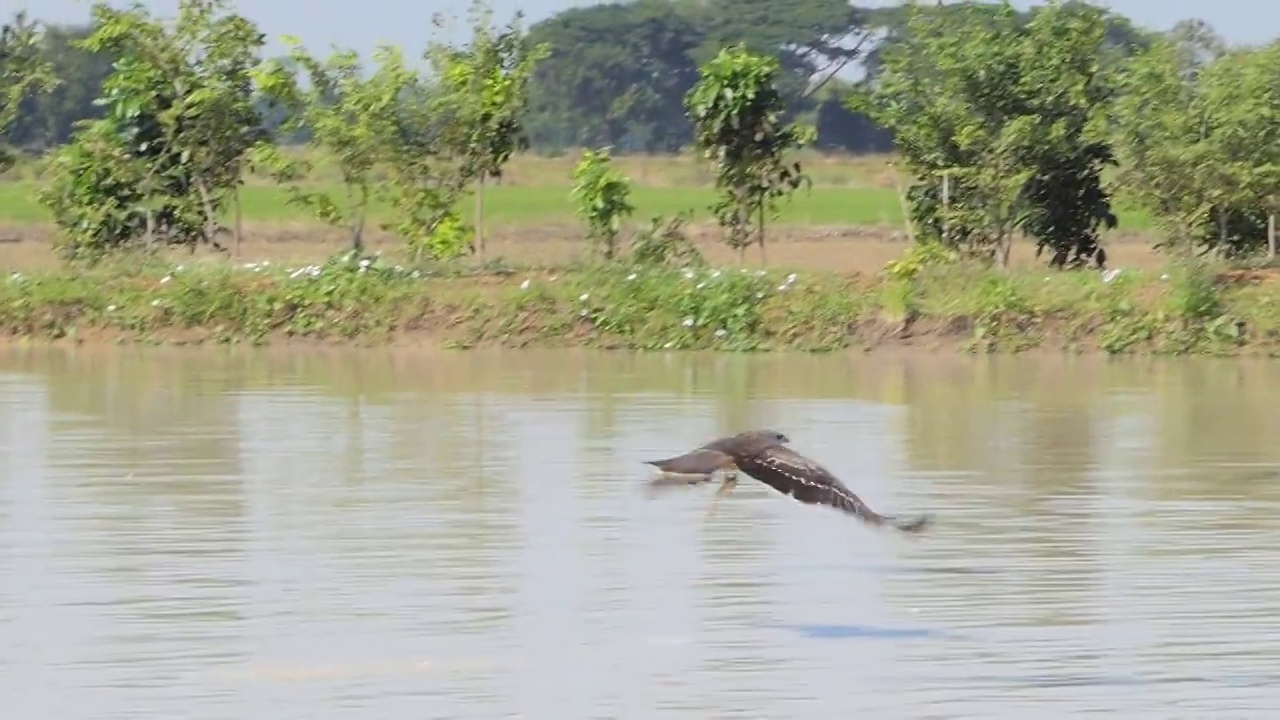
x: 349, y: 118
x: 737, y: 111
x: 481, y: 100
x: 603, y: 197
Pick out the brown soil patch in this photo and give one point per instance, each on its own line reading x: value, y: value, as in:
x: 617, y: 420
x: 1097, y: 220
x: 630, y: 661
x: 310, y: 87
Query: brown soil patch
x: 840, y: 249
x: 1255, y: 276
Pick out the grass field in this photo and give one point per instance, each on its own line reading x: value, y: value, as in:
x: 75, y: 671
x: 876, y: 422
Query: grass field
x: 523, y: 205
x: 850, y: 221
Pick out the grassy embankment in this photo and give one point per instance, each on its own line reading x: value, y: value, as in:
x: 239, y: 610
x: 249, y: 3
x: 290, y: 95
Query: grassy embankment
x: 823, y: 287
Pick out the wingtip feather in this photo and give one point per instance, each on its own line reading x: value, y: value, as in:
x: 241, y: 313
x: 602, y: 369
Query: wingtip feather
x: 916, y: 524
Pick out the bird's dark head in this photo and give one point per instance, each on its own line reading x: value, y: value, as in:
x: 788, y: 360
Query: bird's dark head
x: 772, y: 437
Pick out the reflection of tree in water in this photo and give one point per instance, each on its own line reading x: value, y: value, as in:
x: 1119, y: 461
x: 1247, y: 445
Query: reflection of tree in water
x: 147, y: 450
x: 1009, y: 451
x: 949, y: 418
x: 164, y: 419
x: 1213, y: 415
x: 1058, y: 568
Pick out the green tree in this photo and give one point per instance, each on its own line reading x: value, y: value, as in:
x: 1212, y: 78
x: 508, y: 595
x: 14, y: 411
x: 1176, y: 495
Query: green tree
x: 1197, y: 130
x: 1001, y: 116
x: 737, y: 116
x: 23, y: 72
x: 1242, y: 94
x: 483, y: 99
x: 178, y: 130
x: 349, y: 118
x: 1067, y: 86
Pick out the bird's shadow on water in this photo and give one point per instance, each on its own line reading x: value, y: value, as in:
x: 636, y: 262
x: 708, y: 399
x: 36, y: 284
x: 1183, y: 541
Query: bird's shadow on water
x: 838, y: 631
x: 834, y: 631
x: 889, y: 569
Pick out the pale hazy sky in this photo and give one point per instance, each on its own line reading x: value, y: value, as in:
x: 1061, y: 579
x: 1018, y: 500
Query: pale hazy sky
x: 363, y: 24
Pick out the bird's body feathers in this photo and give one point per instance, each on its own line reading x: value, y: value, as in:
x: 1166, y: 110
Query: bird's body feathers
x: 719, y: 454
x: 702, y: 461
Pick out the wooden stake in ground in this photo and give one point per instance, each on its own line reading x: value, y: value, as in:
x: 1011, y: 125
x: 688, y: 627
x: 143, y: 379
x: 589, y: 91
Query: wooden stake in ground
x: 1271, y: 235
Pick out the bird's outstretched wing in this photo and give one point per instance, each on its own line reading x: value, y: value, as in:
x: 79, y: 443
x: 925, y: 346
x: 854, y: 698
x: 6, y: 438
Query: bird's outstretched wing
x: 791, y: 473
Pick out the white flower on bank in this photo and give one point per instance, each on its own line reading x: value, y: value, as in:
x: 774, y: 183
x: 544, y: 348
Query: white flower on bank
x: 688, y: 322
x: 524, y: 285
x: 721, y: 332
x: 583, y: 297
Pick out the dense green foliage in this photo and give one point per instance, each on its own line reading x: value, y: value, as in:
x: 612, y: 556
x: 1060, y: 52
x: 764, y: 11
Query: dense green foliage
x: 1005, y: 118
x: 1198, y: 130
x: 1007, y: 121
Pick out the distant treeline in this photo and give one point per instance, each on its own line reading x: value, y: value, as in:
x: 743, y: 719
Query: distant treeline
x: 618, y: 73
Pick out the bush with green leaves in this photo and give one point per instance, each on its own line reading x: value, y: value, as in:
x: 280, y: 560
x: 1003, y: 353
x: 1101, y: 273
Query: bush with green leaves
x: 665, y: 242
x: 603, y: 200
x: 180, y: 127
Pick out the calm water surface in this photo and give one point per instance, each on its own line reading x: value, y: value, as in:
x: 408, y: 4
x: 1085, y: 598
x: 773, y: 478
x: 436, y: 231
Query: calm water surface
x: 321, y: 534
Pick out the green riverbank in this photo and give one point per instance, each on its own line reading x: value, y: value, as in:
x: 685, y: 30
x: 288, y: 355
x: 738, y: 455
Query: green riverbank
x: 951, y: 307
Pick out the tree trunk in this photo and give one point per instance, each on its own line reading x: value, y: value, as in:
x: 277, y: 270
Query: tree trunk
x: 480, y: 216
x: 1271, y: 236
x: 946, y: 208
x: 235, y: 205
x: 1222, y: 233
x: 760, y: 236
